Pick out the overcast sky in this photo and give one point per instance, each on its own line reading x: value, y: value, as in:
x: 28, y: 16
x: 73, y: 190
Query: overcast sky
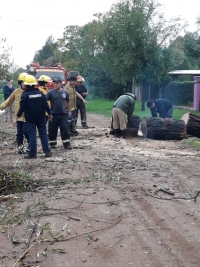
x: 27, y: 24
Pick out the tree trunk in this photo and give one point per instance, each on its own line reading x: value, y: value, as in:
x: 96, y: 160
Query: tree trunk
x: 163, y: 129
x: 143, y: 96
x: 133, y: 126
x: 192, y: 122
x: 109, y: 90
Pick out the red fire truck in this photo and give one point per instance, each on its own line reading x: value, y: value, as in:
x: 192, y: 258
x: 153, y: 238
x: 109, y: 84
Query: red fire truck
x: 51, y: 71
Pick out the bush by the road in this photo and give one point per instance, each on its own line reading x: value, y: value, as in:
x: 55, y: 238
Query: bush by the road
x: 179, y: 93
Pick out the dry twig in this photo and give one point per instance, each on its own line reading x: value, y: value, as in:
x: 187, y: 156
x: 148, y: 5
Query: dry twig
x: 87, y: 233
x: 184, y: 198
x: 23, y: 255
x: 32, y: 231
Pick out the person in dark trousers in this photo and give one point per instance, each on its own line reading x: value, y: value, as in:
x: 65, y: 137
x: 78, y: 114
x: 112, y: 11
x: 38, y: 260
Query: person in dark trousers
x: 121, y: 113
x: 161, y: 106
x: 80, y: 105
x: 8, y: 89
x: 34, y: 105
x: 58, y: 98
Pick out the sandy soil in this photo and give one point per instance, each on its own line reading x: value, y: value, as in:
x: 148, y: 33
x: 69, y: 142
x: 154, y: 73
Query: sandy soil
x: 101, y: 203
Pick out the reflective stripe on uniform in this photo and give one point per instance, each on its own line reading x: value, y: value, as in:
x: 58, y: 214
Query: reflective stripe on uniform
x: 66, y: 141
x: 3, y: 105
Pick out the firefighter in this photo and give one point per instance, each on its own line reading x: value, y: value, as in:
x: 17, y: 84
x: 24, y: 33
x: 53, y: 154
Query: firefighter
x: 121, y: 113
x: 80, y: 105
x: 34, y: 105
x: 58, y: 98
x: 70, y: 87
x: 42, y: 82
x: 21, y: 124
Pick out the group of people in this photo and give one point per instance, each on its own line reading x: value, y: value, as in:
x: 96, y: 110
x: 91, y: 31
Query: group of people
x: 35, y: 105
x: 124, y: 107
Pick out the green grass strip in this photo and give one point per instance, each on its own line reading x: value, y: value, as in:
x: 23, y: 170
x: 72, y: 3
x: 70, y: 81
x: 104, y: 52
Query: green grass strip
x: 104, y: 107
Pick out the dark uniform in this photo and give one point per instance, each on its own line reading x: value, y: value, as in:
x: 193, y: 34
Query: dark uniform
x: 58, y: 110
x: 80, y: 105
x: 34, y: 105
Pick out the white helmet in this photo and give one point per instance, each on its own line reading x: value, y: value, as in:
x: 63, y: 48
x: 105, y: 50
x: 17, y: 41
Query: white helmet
x: 80, y: 79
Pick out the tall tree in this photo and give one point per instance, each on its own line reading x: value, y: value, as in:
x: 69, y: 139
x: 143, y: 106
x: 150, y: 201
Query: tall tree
x: 132, y: 41
x: 5, y: 62
x: 46, y: 54
x: 191, y: 44
x: 128, y: 43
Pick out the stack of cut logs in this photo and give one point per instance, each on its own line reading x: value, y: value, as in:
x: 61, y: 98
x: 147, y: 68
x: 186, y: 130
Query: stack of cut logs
x: 165, y: 129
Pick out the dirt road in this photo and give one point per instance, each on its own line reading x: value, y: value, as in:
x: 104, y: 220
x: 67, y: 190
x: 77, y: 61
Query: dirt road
x: 107, y: 202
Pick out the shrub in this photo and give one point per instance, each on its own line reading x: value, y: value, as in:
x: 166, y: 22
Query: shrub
x: 179, y: 93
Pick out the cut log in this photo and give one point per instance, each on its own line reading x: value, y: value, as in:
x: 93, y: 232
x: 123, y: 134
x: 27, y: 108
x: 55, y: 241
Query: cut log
x: 133, y: 126
x: 163, y: 129
x: 192, y: 122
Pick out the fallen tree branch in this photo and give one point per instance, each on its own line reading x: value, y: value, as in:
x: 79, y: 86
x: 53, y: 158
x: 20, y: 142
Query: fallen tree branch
x: 33, y: 229
x: 184, y: 198
x: 164, y: 191
x: 87, y: 233
x: 104, y: 202
x: 195, y: 198
x: 23, y: 255
x: 4, y: 198
x: 75, y: 219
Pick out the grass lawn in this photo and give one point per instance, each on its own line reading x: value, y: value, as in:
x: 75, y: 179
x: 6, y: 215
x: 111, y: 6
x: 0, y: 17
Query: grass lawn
x: 104, y: 107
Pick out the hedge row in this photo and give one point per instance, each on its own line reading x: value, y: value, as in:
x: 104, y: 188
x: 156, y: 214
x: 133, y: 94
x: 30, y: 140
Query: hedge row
x: 179, y: 93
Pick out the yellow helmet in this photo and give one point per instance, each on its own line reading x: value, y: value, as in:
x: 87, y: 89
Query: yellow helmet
x: 30, y: 80
x: 22, y: 76
x: 44, y: 78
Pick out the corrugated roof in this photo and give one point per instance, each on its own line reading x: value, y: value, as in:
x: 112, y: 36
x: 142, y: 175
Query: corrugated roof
x: 185, y: 72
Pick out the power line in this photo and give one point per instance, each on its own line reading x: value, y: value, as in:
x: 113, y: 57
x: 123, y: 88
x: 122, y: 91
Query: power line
x: 38, y: 24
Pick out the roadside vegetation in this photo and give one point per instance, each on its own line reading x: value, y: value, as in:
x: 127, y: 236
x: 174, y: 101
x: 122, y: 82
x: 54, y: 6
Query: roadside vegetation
x: 104, y: 107
x: 112, y: 54
x: 1, y: 95
x: 131, y: 45
x: 194, y: 142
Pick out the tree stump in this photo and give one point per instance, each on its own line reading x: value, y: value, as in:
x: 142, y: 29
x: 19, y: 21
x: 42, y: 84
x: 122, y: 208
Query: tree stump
x: 133, y: 126
x: 192, y: 122
x: 163, y: 129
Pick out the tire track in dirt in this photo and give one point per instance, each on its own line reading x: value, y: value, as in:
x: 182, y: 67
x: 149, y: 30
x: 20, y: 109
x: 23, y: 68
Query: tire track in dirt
x: 174, y: 242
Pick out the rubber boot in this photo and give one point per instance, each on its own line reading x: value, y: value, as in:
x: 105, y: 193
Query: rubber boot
x: 67, y: 146
x: 84, y: 124
x: 123, y: 133
x: 111, y: 126
x: 21, y: 149
x: 116, y: 132
x: 73, y: 129
x: 111, y: 131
